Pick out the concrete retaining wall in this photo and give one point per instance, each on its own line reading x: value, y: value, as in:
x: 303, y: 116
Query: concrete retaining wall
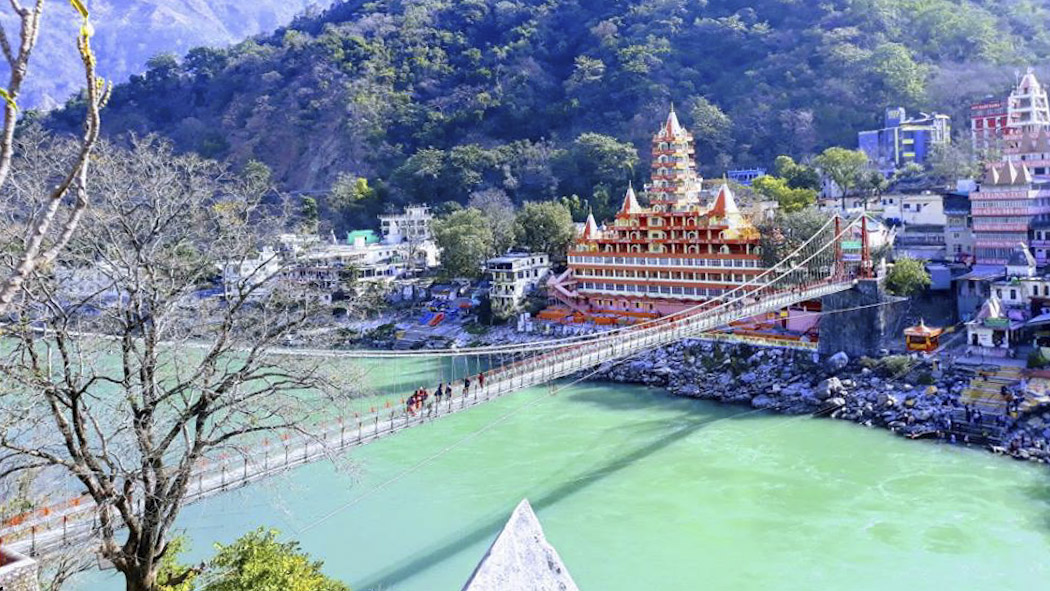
x: 17, y: 572
x: 857, y: 332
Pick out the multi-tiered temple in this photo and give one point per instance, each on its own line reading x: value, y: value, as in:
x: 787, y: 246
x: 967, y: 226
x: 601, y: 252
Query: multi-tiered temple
x: 675, y: 253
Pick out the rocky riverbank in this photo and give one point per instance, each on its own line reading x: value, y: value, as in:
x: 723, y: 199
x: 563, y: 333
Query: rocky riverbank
x: 907, y: 396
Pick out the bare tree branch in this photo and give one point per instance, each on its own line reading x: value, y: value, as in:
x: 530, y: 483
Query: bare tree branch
x: 47, y: 237
x: 130, y: 417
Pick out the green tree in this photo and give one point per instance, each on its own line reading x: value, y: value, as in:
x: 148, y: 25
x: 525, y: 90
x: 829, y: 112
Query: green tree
x: 903, y: 78
x: 788, y: 199
x: 595, y: 160
x: 798, y: 176
x: 422, y: 174
x: 872, y: 184
x: 173, y: 576
x: 787, y: 231
x: 908, y: 277
x: 309, y: 213
x: 259, y: 562
x: 465, y: 240
x: 353, y: 202
x: 910, y: 172
x: 545, y: 227
x: 844, y: 167
x: 712, y: 128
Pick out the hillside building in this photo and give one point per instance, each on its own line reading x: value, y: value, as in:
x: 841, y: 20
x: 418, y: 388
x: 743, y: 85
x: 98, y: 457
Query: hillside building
x: 514, y: 276
x: 904, y: 140
x: 1007, y: 209
x: 1027, y: 108
x: 958, y: 228
x: 411, y: 225
x: 669, y: 256
x: 988, y: 122
x: 999, y: 123
x: 745, y: 176
x: 1030, y: 149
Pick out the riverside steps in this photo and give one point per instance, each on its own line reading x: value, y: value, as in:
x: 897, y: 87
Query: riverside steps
x: 813, y: 271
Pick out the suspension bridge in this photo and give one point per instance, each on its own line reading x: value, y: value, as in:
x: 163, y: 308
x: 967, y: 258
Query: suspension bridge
x: 819, y: 267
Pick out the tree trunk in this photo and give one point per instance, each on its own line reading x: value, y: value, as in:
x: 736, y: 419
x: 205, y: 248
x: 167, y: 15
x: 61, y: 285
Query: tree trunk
x: 139, y: 578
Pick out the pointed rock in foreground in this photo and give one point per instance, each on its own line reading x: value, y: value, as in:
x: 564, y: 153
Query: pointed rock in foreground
x: 521, y: 559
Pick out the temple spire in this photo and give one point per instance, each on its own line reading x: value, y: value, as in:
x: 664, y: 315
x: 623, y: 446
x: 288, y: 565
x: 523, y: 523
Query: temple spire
x: 673, y: 127
x: 590, y: 229
x: 630, y: 201
x: 725, y: 204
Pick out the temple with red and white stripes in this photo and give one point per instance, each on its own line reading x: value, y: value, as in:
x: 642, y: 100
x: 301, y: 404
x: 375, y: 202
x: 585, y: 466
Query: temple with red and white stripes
x: 680, y: 250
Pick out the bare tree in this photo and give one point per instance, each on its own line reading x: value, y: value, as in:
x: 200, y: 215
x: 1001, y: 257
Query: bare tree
x: 45, y: 233
x: 121, y: 377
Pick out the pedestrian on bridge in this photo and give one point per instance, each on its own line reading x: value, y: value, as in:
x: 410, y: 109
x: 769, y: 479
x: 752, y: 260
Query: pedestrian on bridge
x: 481, y: 380
x: 410, y: 404
x: 466, y: 386
x: 428, y: 402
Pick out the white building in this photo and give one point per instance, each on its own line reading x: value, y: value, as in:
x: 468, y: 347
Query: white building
x: 1028, y: 108
x: 513, y: 277
x: 412, y: 225
x: 405, y: 246
x: 925, y: 209
x: 254, y: 271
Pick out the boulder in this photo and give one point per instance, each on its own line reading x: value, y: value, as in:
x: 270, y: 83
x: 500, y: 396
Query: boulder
x: 690, y: 390
x: 762, y: 401
x: 837, y: 362
x: 827, y: 388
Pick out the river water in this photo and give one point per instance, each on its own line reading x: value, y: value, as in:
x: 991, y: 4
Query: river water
x: 638, y: 490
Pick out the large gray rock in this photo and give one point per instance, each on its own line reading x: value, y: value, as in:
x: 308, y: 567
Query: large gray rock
x: 838, y: 361
x: 690, y: 390
x: 521, y: 559
x: 762, y: 401
x: 828, y: 388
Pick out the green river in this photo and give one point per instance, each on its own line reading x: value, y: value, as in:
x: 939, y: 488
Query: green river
x: 638, y: 490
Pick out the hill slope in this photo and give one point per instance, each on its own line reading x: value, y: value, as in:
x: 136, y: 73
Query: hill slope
x: 501, y: 89
x: 130, y: 32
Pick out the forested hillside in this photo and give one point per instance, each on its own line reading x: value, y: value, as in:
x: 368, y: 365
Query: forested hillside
x: 435, y: 99
x: 130, y: 32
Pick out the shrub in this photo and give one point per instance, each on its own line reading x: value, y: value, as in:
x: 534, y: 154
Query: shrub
x: 1036, y: 360
x: 868, y: 362
x: 897, y: 364
x: 925, y: 379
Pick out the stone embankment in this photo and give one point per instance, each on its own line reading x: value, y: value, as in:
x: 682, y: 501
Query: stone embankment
x: 909, y: 397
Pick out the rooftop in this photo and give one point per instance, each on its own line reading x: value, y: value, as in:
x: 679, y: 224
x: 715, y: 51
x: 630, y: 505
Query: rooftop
x: 515, y: 256
x: 369, y: 236
x: 956, y: 203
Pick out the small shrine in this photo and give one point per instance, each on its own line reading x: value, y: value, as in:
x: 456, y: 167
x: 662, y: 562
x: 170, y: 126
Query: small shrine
x: 923, y: 338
